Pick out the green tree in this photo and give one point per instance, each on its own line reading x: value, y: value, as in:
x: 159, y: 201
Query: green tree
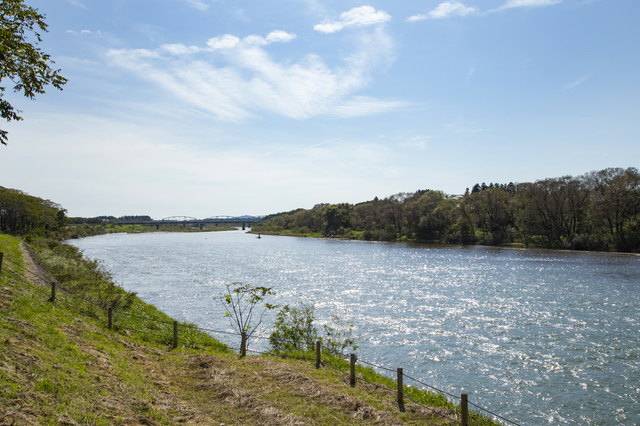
x: 21, y: 213
x: 431, y: 215
x: 241, y: 302
x: 21, y: 61
x: 492, y: 213
x: 337, y: 216
x: 615, y: 205
x: 554, y: 208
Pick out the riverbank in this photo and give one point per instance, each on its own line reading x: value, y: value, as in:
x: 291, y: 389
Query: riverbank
x: 60, y: 364
x: 358, y: 236
x: 81, y: 231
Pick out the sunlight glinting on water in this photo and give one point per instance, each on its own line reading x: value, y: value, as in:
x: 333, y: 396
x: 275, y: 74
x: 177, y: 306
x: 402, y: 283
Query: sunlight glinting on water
x: 536, y: 336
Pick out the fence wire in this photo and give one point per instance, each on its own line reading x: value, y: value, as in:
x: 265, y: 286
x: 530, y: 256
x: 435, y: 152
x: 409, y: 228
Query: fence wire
x: 430, y: 409
x: 432, y: 387
x: 376, y: 384
x: 376, y: 366
x: 494, y: 414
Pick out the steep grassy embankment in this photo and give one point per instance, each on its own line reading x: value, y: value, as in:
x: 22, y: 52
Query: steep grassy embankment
x: 60, y: 364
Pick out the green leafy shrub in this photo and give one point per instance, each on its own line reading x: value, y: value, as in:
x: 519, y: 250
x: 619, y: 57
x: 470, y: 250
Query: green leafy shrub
x: 295, y: 331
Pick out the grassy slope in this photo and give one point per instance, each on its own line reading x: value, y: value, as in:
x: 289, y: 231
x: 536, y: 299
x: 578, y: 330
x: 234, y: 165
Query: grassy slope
x: 59, y: 364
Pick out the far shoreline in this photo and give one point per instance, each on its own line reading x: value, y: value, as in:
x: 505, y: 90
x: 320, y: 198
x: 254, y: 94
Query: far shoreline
x: 521, y: 246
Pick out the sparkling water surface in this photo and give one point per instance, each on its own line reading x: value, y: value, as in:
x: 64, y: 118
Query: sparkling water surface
x: 538, y: 336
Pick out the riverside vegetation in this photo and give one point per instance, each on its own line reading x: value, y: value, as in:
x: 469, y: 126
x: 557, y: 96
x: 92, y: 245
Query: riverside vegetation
x: 60, y: 364
x: 599, y: 210
x: 26, y: 215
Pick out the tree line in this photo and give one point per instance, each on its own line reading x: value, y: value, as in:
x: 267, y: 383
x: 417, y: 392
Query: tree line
x: 21, y: 213
x: 104, y: 220
x: 599, y: 210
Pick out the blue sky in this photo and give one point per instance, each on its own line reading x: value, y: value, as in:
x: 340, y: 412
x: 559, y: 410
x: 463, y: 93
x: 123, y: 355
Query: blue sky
x: 204, y: 108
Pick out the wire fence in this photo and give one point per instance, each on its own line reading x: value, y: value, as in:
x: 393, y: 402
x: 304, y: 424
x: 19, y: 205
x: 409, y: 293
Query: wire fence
x: 17, y: 272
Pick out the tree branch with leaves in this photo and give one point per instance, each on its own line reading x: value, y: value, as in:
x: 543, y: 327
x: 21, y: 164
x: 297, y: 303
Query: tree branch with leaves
x: 245, y: 306
x: 21, y: 61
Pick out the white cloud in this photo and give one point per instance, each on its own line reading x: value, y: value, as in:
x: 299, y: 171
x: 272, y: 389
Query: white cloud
x: 85, y: 33
x: 528, y: 3
x: 362, y: 16
x: 180, y: 49
x: 272, y: 37
x: 227, y: 41
x: 77, y: 3
x: 364, y: 105
x: 445, y: 10
x: 577, y: 82
x: 234, y: 79
x: 280, y: 36
x: 198, y: 4
x: 454, y: 8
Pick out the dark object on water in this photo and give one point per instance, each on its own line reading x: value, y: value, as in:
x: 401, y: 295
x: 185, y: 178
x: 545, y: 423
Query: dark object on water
x: 259, y: 236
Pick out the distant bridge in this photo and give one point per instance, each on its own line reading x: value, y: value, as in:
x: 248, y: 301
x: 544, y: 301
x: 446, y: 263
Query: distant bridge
x: 194, y: 222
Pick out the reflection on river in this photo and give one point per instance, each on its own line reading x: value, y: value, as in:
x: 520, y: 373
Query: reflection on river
x: 537, y: 336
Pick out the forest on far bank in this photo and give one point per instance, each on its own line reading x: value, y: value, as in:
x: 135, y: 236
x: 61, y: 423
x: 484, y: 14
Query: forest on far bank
x: 599, y: 210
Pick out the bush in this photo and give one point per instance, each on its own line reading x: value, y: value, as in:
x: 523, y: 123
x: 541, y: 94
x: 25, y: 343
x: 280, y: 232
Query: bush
x: 294, y: 331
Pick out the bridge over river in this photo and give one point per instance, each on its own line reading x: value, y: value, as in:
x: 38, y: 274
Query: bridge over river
x: 188, y: 221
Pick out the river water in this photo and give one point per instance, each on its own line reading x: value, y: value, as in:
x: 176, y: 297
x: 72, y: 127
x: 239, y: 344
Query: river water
x: 540, y: 337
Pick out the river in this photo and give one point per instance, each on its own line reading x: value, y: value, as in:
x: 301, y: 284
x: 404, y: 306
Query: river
x: 537, y: 336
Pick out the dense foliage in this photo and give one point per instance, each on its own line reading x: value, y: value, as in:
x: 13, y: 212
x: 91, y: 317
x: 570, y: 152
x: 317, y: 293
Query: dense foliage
x: 21, y: 213
x: 295, y: 331
x: 599, y: 210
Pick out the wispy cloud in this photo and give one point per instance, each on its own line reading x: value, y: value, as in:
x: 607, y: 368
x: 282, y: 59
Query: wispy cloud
x: 510, y: 4
x: 323, y: 143
x: 577, y: 82
x: 240, y: 14
x: 472, y: 70
x: 97, y: 33
x: 445, y: 10
x: 234, y: 79
x: 199, y: 4
x: 77, y: 3
x: 150, y: 31
x: 364, y: 105
x: 451, y: 8
x: 417, y: 142
x: 362, y: 16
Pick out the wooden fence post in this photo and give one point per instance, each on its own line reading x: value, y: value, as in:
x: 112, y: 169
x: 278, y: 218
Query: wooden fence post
x: 464, y: 410
x: 53, y: 291
x: 175, y: 334
x: 110, y: 315
x: 400, y: 390
x: 353, y: 370
x: 1, y: 256
x: 318, y: 354
x: 243, y: 344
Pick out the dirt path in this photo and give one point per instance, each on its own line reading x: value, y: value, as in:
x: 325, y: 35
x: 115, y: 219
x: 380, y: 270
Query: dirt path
x: 36, y: 274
